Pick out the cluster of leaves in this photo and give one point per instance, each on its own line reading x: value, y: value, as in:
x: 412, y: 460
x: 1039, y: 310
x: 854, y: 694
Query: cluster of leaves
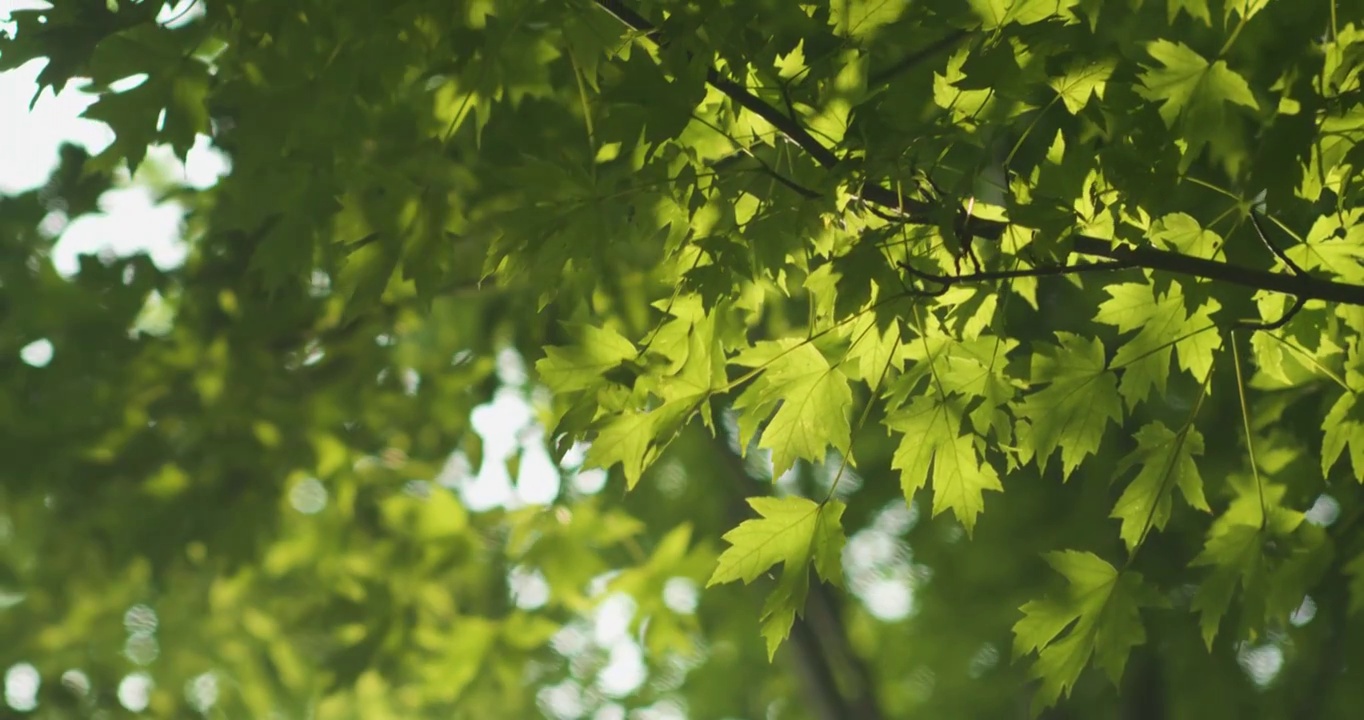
x: 1126, y: 126
x: 1034, y: 243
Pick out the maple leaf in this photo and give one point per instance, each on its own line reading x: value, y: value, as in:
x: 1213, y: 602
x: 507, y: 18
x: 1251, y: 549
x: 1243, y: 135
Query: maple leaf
x: 1179, y: 231
x: 794, y: 532
x: 1193, y: 92
x: 1071, y: 413
x: 1162, y: 325
x: 1343, y: 257
x: 1166, y: 459
x: 1197, y: 9
x: 1344, y: 427
x: 1262, y: 547
x: 933, y: 441
x: 635, y: 438
x: 861, y: 18
x: 581, y: 366
x: 1081, y: 82
x: 132, y: 115
x: 1245, y: 8
x: 697, y: 364
x: 875, y: 352
x: 1102, y: 609
x: 688, y: 365
x: 811, y: 398
x: 997, y: 13
x: 975, y: 367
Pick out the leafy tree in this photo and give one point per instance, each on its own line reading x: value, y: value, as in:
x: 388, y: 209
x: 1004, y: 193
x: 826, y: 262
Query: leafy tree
x: 1087, y: 277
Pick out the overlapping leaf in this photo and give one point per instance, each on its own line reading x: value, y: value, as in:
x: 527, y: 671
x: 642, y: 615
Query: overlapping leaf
x: 1166, y: 461
x: 1101, y: 608
x: 1074, y: 409
x: 1262, y: 548
x: 793, y: 532
x: 934, y: 441
x: 1193, y: 93
x: 1162, y: 325
x: 810, y: 397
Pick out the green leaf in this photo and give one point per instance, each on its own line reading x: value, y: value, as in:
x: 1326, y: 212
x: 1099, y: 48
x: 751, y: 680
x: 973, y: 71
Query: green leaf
x: 1252, y: 546
x: 862, y: 18
x: 1344, y: 428
x: 1162, y: 325
x: 1197, y: 9
x: 635, y: 439
x: 1192, y: 92
x: 933, y: 441
x: 186, y: 109
x: 998, y: 13
x: 1102, y: 609
x: 812, y: 401
x: 697, y: 364
x: 792, y: 64
x: 132, y: 115
x: 1166, y: 459
x: 583, y: 365
x: 1073, y: 411
x: 363, y: 278
x: 1245, y: 8
x: 1081, y: 82
x: 1339, y: 256
x: 875, y: 353
x: 794, y: 532
x: 1180, y: 231
x: 975, y: 368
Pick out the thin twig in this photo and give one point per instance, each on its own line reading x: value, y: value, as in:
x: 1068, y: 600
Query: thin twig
x: 1281, y: 255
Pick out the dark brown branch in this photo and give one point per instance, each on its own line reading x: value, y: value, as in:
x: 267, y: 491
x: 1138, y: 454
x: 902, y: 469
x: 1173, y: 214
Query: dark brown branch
x: 1306, y: 287
x: 992, y: 276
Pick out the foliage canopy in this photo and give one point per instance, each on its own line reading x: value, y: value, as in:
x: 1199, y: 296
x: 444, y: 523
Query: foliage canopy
x: 1088, y: 276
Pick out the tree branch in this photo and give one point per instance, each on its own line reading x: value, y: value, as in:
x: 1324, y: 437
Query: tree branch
x: 991, y: 276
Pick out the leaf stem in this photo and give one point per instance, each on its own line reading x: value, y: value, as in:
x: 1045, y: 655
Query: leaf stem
x: 1250, y: 440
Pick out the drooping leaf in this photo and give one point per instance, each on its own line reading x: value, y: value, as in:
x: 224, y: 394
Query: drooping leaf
x: 1073, y: 410
x: 580, y: 366
x: 1081, y: 82
x: 933, y: 440
x: 876, y: 353
x: 1344, y: 428
x: 1192, y: 92
x: 1262, y: 548
x: 1163, y: 325
x: 1098, y: 616
x: 1166, y: 461
x: 997, y: 13
x: 812, y: 401
x: 1197, y: 9
x: 635, y: 439
x: 794, y: 532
